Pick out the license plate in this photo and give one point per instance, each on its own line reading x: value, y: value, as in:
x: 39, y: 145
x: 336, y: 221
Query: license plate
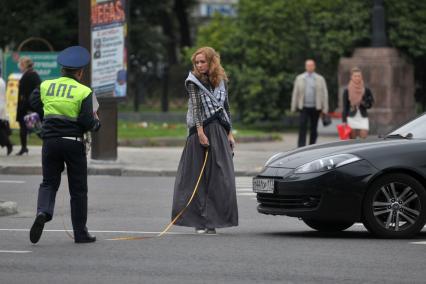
x: 263, y: 185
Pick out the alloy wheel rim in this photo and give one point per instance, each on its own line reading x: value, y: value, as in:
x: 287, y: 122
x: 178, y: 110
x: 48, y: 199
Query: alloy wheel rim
x: 396, y: 206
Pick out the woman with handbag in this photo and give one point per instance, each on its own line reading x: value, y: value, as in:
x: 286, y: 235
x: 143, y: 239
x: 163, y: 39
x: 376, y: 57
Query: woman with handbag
x: 4, y: 122
x: 356, y: 100
x: 209, y: 124
x: 28, y: 82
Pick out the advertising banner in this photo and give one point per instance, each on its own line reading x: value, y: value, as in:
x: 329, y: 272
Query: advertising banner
x: 12, y: 98
x: 108, y: 47
x: 44, y: 64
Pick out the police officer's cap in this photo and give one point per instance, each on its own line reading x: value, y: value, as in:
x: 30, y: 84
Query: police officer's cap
x: 74, y: 57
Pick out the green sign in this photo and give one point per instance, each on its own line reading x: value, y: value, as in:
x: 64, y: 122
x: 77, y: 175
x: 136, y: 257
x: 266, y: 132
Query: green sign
x: 44, y: 64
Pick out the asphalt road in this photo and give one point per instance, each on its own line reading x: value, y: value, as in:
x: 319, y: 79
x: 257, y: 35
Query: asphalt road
x: 263, y: 249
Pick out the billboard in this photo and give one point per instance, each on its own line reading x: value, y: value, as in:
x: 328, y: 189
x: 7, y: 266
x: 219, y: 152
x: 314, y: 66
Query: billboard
x: 12, y: 98
x: 108, y: 48
x: 44, y: 64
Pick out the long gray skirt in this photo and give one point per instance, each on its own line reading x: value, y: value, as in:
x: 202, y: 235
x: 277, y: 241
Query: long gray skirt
x: 215, y: 204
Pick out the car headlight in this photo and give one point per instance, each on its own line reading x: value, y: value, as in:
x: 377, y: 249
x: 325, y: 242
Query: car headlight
x: 326, y: 163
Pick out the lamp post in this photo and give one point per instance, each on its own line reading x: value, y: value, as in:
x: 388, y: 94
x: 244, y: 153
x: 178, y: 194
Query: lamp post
x: 378, y: 22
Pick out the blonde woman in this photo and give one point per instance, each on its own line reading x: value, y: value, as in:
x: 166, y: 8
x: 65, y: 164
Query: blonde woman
x: 28, y: 82
x: 209, y: 124
x: 356, y: 100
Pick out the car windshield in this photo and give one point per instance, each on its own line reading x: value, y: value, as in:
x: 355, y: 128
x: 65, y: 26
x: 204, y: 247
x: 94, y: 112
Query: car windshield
x: 415, y: 129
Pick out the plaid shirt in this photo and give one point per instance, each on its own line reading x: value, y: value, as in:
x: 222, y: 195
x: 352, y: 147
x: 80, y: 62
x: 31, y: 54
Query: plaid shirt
x: 201, y: 107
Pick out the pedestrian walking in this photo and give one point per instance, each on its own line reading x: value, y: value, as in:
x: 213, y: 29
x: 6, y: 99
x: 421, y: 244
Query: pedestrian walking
x: 29, y: 81
x: 356, y: 100
x: 4, y: 121
x: 209, y: 124
x: 310, y: 99
x: 66, y: 108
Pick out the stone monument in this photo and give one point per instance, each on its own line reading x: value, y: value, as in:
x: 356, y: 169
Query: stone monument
x: 389, y: 76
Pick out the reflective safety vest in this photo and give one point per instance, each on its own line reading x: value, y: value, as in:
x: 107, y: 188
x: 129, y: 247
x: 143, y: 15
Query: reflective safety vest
x: 62, y: 98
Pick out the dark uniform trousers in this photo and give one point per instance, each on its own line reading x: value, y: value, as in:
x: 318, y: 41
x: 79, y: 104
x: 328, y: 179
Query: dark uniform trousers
x: 55, y: 153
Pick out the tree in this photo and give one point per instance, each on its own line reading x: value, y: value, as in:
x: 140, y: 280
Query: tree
x: 55, y: 21
x: 158, y: 30
x: 406, y: 23
x: 265, y: 47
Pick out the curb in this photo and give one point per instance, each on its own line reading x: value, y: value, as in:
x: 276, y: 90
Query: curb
x: 8, y: 208
x: 112, y: 171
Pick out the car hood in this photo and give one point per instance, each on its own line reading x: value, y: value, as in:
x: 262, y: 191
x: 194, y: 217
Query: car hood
x: 301, y: 156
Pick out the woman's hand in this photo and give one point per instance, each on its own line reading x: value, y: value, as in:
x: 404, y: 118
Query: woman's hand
x: 231, y: 140
x: 204, y: 141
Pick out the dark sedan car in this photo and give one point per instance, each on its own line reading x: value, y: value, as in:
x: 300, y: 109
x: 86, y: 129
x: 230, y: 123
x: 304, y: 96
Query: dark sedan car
x: 379, y: 182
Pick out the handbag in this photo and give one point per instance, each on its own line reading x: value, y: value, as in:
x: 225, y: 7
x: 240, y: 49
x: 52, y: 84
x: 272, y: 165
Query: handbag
x: 4, y: 124
x: 344, y: 131
x: 326, y: 120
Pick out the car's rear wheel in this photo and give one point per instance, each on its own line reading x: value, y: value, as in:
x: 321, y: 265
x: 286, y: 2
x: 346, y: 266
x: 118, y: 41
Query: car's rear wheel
x: 395, y: 206
x: 327, y: 226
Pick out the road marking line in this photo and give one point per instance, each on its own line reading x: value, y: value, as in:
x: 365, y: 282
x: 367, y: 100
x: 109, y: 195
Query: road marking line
x: 103, y: 231
x: 419, y: 243
x: 244, y: 189
x: 15, y: 251
x: 246, y: 194
x: 12, y: 181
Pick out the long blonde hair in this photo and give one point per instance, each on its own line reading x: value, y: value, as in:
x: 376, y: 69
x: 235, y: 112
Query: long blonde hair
x: 216, y: 71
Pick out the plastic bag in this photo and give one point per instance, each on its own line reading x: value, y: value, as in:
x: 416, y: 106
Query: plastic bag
x: 344, y: 131
x: 33, y: 123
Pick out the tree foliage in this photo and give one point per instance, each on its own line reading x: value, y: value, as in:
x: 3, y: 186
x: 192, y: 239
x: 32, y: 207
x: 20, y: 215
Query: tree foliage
x: 406, y: 31
x: 55, y: 21
x: 265, y: 47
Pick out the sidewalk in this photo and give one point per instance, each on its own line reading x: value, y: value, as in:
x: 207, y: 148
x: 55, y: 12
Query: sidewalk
x: 156, y: 161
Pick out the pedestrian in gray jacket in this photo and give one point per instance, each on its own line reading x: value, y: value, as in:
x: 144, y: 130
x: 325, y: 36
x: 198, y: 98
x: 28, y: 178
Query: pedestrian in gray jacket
x: 310, y: 99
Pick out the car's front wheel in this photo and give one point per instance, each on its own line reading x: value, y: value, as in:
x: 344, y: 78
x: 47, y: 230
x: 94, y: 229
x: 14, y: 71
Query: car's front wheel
x: 395, y: 206
x: 327, y: 226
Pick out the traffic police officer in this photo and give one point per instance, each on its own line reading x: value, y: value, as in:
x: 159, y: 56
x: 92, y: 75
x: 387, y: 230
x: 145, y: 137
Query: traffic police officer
x: 66, y: 107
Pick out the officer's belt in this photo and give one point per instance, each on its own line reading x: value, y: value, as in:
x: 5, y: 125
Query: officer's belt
x: 49, y: 116
x: 80, y: 139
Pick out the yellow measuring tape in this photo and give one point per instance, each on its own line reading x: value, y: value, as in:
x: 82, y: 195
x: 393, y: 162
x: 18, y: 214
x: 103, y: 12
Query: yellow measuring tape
x: 169, y: 226
x: 63, y: 218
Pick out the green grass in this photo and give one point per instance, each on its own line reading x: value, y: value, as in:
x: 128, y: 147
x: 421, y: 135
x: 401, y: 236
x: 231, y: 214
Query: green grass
x: 32, y: 139
x: 132, y: 130
x: 142, y: 130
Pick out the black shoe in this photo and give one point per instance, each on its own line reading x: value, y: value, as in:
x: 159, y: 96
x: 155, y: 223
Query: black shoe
x: 84, y: 237
x: 9, y: 149
x: 22, y: 151
x: 211, y: 231
x: 37, y: 228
